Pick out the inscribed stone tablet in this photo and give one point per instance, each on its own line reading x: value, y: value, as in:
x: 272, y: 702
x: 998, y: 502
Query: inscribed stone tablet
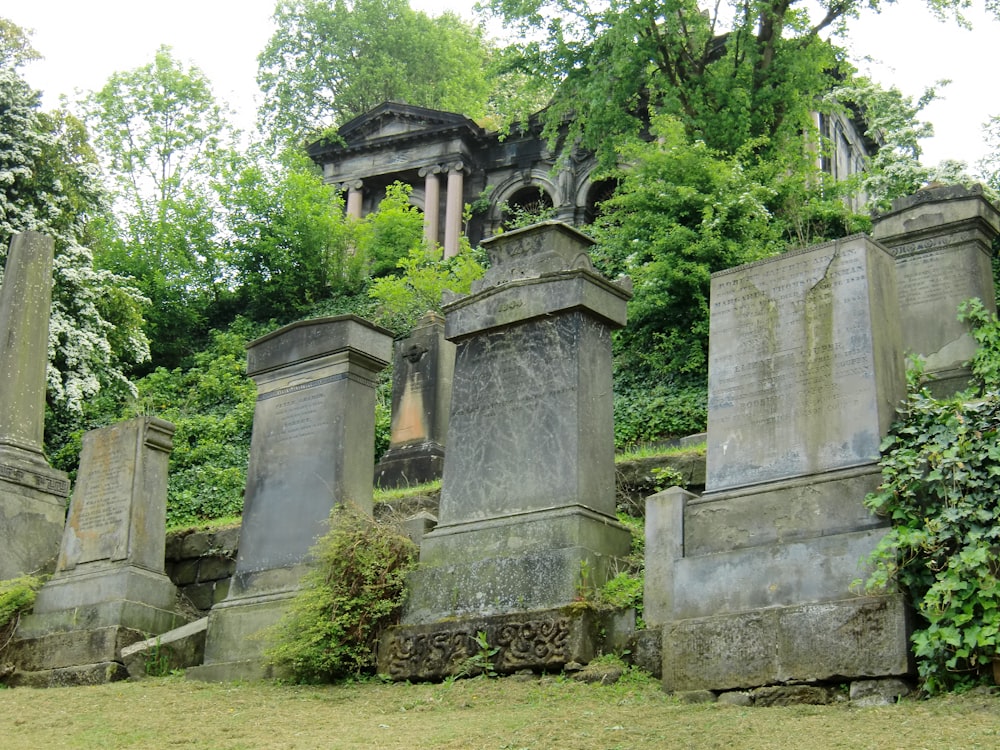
x: 798, y: 349
x: 98, y: 522
x: 524, y: 406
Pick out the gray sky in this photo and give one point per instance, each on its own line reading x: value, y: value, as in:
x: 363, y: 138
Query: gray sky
x: 84, y: 41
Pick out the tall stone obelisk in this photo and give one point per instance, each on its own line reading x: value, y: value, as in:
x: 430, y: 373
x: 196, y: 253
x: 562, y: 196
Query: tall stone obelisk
x: 32, y: 493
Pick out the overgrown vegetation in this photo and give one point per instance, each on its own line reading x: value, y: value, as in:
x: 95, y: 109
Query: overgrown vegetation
x: 352, y: 593
x: 941, y: 491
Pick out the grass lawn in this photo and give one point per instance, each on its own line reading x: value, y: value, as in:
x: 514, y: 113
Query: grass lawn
x: 542, y: 714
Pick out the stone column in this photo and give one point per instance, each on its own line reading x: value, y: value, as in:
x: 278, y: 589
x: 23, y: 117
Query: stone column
x: 432, y: 203
x: 32, y: 493
x: 453, y: 210
x: 354, y: 196
x: 25, y: 305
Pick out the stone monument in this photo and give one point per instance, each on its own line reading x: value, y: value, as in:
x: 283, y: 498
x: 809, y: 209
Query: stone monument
x: 109, y: 589
x: 527, y: 514
x: 313, y: 447
x: 751, y: 581
x: 941, y: 238
x: 32, y: 493
x: 422, y: 371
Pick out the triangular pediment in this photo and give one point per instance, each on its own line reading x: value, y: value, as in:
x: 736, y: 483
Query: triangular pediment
x: 392, y: 119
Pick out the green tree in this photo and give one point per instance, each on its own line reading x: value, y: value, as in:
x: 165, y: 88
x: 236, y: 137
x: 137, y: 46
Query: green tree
x: 329, y: 61
x: 388, y: 234
x: 289, y: 242
x: 165, y: 141
x: 730, y: 73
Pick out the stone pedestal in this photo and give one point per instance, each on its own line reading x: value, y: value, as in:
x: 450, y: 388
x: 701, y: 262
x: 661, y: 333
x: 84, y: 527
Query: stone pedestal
x: 751, y: 581
x: 422, y: 371
x: 941, y: 238
x: 109, y: 589
x: 312, y: 448
x: 527, y: 513
x: 32, y: 493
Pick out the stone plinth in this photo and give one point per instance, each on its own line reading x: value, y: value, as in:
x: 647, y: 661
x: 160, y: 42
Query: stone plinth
x: 312, y: 448
x: 751, y: 582
x: 422, y: 371
x: 942, y: 240
x: 32, y: 493
x: 109, y: 588
x: 527, y: 510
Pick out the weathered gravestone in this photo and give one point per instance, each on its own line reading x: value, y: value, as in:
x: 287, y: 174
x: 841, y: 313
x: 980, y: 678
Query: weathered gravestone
x: 422, y: 371
x: 312, y: 448
x: 527, y: 510
x: 941, y: 238
x: 32, y: 493
x: 751, y: 581
x: 109, y: 589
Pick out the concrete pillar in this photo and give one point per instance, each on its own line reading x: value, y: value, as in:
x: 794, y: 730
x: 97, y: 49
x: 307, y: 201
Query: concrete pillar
x: 453, y: 210
x: 354, y: 196
x: 432, y: 203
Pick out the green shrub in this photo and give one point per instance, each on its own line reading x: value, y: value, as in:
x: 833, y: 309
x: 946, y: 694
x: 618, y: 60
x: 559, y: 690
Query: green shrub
x: 17, y: 595
x: 354, y: 592
x: 644, y: 415
x: 624, y: 589
x: 941, y: 490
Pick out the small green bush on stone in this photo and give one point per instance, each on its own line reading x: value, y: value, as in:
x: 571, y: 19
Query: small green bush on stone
x: 17, y: 595
x: 941, y: 490
x: 353, y: 593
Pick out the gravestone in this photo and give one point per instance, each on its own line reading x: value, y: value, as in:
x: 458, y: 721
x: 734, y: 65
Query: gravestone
x: 32, y: 493
x: 312, y: 448
x: 527, y: 512
x: 941, y: 238
x: 751, y: 581
x: 423, y: 364
x: 109, y: 588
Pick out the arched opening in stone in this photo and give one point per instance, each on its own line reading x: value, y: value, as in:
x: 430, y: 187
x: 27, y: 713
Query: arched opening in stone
x: 527, y: 206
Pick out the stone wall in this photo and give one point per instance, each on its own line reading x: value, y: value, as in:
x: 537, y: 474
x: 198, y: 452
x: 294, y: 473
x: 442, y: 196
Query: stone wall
x: 201, y: 562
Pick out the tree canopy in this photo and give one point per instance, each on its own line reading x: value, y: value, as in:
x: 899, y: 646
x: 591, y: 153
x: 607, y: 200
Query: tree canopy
x: 330, y: 61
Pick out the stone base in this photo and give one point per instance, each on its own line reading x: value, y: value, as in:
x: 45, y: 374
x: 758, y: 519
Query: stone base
x: 237, y: 639
x: 88, y: 674
x: 410, y: 465
x: 32, y: 516
x: 542, y: 641
x: 83, y: 619
x: 865, y: 637
x: 532, y: 561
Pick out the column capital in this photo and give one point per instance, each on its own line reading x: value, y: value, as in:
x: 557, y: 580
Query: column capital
x: 430, y: 169
x: 455, y: 166
x: 351, y: 185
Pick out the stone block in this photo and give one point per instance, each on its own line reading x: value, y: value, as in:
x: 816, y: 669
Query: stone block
x: 772, y: 575
x: 184, y: 572
x: 226, y: 541
x: 780, y: 512
x: 214, y: 568
x: 853, y: 638
x: 180, y: 648
x: 540, y: 641
x: 196, y: 544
